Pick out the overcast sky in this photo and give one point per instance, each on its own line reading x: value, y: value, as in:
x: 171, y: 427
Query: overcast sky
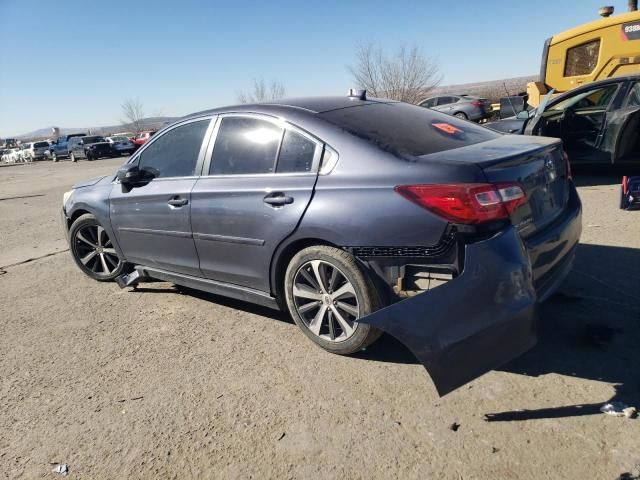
x: 72, y: 63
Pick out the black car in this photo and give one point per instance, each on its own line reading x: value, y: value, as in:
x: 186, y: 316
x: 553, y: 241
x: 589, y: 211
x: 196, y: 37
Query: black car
x: 598, y: 123
x: 90, y: 147
x: 354, y: 215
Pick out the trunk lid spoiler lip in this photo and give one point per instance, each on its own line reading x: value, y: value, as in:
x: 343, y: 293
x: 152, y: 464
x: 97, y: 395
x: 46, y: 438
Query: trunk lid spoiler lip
x: 496, y: 151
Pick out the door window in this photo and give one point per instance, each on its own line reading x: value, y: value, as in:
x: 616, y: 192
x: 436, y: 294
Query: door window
x: 296, y: 153
x: 446, y: 100
x: 174, y: 153
x: 245, y: 146
x: 598, y: 98
x: 633, y: 100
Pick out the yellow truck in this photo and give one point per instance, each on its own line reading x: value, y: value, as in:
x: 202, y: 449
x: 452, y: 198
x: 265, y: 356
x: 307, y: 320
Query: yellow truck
x: 608, y: 47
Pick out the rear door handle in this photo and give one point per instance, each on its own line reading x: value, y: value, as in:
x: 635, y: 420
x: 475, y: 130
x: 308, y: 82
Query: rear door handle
x: 277, y: 199
x: 178, y: 201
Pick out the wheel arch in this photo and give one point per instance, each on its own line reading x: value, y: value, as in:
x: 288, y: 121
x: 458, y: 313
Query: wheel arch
x: 283, y: 256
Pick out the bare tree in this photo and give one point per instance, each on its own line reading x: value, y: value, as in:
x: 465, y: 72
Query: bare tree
x: 133, y: 112
x: 263, y: 92
x: 407, y: 75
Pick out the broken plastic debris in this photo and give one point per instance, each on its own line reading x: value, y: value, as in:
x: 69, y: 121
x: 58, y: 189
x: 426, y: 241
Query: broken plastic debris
x: 62, y: 469
x: 619, y: 409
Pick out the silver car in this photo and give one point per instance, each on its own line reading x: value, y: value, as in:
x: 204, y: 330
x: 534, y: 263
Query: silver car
x: 461, y: 106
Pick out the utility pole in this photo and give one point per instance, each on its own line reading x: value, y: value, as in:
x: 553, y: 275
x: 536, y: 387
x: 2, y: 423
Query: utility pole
x: 633, y: 5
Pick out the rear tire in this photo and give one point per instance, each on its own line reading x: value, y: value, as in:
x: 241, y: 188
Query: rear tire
x: 326, y: 292
x: 54, y: 157
x: 461, y: 115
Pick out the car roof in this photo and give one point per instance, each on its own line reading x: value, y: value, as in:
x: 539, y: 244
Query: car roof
x: 304, y: 104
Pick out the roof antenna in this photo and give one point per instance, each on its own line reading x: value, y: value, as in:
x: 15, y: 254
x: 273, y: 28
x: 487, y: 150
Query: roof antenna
x: 356, y: 94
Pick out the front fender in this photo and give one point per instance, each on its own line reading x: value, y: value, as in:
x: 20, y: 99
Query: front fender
x: 474, y: 323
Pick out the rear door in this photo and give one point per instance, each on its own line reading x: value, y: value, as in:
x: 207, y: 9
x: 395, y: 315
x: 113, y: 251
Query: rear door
x: 257, y: 181
x: 151, y: 220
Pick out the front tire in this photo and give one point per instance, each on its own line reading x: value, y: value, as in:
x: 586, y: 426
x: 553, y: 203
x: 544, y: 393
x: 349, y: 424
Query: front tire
x: 326, y: 292
x: 93, y: 250
x: 72, y: 157
x: 54, y: 157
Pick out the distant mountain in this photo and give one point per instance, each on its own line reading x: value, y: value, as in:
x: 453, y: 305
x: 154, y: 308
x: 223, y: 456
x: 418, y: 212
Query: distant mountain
x: 492, y: 90
x: 149, y: 123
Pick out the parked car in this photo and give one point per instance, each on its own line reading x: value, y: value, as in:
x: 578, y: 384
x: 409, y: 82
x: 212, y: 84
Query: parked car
x: 121, y: 145
x: 36, y: 150
x: 60, y: 147
x: 12, y: 156
x: 142, y: 138
x: 462, y: 106
x: 598, y: 123
x: 90, y: 147
x: 630, y: 193
x: 333, y: 208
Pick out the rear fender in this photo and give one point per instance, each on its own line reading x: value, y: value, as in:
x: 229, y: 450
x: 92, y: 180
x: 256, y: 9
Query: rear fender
x: 474, y: 323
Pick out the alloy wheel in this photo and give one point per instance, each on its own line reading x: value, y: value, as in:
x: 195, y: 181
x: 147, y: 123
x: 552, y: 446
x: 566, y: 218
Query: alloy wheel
x: 95, y: 251
x: 326, y: 301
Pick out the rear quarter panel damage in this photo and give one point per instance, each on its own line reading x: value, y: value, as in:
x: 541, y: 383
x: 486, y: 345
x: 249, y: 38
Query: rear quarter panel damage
x: 475, y: 322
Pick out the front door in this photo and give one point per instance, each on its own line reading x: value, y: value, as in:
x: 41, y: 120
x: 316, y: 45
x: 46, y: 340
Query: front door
x: 580, y: 120
x: 151, y: 220
x: 261, y: 175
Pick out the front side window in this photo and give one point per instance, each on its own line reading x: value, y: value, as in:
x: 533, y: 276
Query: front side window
x: 582, y: 60
x: 429, y: 103
x: 296, y: 153
x: 598, y: 98
x: 175, y: 153
x: 245, y: 146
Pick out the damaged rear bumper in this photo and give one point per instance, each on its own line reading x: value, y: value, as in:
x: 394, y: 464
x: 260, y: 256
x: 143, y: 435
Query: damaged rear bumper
x: 485, y: 317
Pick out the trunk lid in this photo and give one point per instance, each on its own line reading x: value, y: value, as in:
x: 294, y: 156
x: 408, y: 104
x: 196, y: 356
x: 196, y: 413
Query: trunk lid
x: 536, y: 163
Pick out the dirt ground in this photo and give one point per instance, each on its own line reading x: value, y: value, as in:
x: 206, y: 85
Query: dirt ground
x: 156, y: 383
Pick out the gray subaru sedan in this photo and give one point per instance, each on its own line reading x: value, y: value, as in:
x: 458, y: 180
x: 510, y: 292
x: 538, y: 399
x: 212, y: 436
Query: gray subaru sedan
x: 355, y: 215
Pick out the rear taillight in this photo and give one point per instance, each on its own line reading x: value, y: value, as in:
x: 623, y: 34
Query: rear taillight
x: 568, y: 165
x: 467, y: 203
x: 477, y: 103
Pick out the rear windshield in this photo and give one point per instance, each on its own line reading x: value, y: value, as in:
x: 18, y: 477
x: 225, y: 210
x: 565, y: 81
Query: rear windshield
x: 40, y: 144
x: 408, y: 130
x: 87, y: 140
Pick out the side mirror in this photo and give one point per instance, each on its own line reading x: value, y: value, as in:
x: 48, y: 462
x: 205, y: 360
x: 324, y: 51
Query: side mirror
x: 129, y: 174
x: 523, y: 115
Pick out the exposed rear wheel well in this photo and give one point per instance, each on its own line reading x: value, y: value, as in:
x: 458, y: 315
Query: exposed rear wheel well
x: 282, y: 262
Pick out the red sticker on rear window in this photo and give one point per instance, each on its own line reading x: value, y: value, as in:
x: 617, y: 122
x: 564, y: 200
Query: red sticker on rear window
x: 446, y: 128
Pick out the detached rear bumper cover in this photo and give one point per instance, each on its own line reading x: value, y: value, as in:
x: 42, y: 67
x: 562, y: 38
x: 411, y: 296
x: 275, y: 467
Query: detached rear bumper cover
x: 474, y: 323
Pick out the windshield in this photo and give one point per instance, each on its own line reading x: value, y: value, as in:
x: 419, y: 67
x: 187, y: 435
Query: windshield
x: 408, y: 130
x: 95, y: 139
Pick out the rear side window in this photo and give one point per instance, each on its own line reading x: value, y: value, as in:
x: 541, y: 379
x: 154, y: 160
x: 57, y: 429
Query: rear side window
x: 408, y: 130
x: 175, y: 153
x: 245, y: 146
x: 296, y: 153
x: 582, y: 60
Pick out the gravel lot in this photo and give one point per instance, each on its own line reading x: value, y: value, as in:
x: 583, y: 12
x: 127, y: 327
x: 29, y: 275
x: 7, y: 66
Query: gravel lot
x: 159, y: 383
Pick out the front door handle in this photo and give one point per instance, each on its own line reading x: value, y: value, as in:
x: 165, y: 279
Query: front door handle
x: 277, y: 199
x: 178, y: 201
